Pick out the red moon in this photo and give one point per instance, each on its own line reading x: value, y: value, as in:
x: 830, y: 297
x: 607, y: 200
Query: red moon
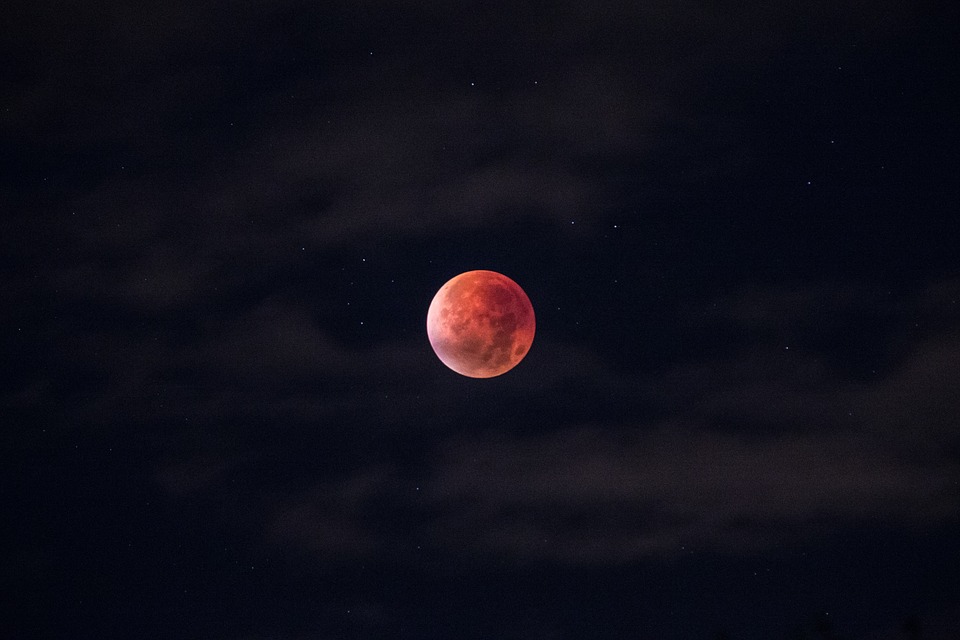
x: 481, y: 324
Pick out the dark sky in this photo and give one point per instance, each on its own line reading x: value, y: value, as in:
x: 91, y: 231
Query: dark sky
x: 223, y: 223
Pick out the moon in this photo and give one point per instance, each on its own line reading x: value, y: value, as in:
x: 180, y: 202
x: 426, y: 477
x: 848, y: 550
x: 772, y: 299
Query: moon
x: 481, y: 324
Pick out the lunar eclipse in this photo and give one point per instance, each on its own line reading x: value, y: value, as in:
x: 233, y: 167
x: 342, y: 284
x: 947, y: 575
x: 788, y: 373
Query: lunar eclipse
x: 481, y: 324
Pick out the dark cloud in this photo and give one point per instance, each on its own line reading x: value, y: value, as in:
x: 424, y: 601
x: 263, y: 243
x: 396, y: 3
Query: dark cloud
x: 613, y: 494
x: 585, y: 495
x: 765, y: 448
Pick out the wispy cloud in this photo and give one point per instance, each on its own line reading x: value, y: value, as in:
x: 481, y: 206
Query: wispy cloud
x: 764, y: 448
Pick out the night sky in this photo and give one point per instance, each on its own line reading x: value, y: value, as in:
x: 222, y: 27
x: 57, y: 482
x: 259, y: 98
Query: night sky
x: 222, y: 224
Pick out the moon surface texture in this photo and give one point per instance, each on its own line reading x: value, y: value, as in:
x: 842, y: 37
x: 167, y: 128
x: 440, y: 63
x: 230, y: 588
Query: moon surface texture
x: 481, y: 324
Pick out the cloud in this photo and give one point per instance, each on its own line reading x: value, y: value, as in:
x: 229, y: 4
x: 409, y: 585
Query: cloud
x: 592, y: 494
x: 605, y: 495
x: 761, y: 448
x: 330, y: 519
